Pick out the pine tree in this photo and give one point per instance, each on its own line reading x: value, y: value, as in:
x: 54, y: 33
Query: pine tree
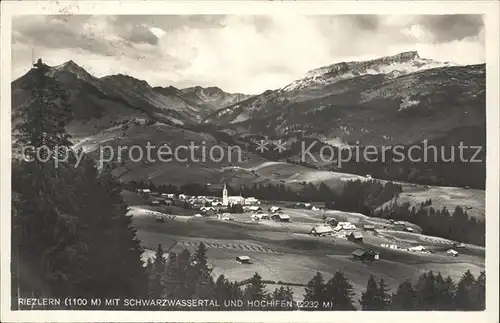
x: 205, y: 285
x: 480, y: 292
x: 43, y: 120
x: 222, y: 289
x: 426, y: 292
x: 370, y: 299
x: 172, y: 276
x: 149, y: 267
x: 114, y: 267
x: 445, y: 293
x: 46, y: 253
x: 339, y: 291
x: 284, y: 295
x: 200, y: 262
x: 405, y: 297
x: 157, y: 277
x: 316, y: 290
x: 186, y: 275
x: 464, y: 297
x: 255, y: 290
x: 383, y: 295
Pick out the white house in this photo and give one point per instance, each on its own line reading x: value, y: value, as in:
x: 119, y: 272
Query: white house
x: 254, y: 208
x: 260, y: 216
x: 251, y: 201
x: 452, y: 252
x: 345, y: 226
x: 274, y: 209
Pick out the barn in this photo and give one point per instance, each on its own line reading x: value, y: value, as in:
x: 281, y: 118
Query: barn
x: 321, y: 230
x: 365, y: 255
x: 368, y: 227
x: 243, y: 259
x: 281, y: 217
x: 355, y: 236
x: 331, y: 221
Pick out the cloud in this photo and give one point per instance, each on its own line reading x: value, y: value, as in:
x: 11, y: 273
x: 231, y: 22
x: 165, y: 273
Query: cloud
x: 238, y: 53
x: 447, y: 28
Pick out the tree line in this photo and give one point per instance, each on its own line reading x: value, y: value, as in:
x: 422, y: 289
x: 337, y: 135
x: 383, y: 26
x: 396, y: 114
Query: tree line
x: 188, y: 276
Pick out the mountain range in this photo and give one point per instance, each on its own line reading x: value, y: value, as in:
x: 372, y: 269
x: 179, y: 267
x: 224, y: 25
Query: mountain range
x: 93, y: 98
x: 397, y: 99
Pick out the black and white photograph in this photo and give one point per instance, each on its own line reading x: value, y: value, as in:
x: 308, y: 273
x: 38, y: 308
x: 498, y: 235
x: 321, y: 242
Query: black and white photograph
x: 293, y: 162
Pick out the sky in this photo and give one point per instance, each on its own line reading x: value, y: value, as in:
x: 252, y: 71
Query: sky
x: 245, y: 54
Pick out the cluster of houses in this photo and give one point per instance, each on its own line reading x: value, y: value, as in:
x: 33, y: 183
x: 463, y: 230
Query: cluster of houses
x: 421, y: 249
x: 203, y: 203
x: 309, y: 206
x: 332, y: 227
x: 275, y: 213
x: 398, y: 225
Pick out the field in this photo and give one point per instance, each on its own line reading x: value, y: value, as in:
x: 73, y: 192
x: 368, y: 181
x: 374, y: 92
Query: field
x: 286, y: 252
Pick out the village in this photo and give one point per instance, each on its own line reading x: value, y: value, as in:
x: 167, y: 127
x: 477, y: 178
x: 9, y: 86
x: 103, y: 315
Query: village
x: 369, y: 236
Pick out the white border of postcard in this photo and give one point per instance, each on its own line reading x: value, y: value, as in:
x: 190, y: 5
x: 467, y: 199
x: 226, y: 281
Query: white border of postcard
x: 490, y: 10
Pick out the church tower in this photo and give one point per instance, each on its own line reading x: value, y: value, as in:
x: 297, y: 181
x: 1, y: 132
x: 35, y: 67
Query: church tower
x: 225, y: 200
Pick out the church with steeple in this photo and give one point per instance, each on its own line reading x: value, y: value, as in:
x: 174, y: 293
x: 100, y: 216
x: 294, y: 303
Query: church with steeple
x: 231, y: 200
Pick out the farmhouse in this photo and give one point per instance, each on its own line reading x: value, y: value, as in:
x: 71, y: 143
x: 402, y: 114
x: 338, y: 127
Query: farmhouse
x: 460, y: 245
x: 402, y: 227
x: 303, y: 205
x: 281, y: 217
x: 368, y: 227
x: 346, y: 226
x: 417, y: 248
x: 154, y: 203
x: 355, y: 236
x: 167, y: 202
x: 144, y: 191
x: 331, y: 221
x: 321, y: 230
x: 254, y: 208
x: 360, y: 254
x: 251, y: 201
x: 274, y: 209
x: 452, y: 252
x: 243, y: 259
x: 260, y: 216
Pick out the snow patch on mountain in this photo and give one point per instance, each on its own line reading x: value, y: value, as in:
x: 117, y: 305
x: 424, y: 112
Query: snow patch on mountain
x: 391, y: 66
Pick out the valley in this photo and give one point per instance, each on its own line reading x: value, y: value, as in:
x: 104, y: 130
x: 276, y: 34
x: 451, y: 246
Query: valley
x: 397, y: 100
